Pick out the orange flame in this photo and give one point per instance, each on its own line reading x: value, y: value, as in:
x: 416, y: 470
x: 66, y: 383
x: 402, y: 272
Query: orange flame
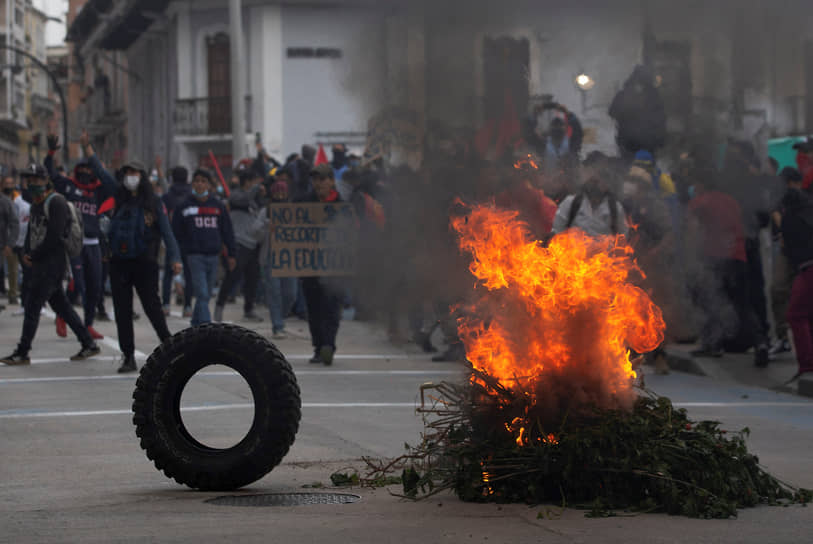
x: 526, y: 162
x: 558, y: 321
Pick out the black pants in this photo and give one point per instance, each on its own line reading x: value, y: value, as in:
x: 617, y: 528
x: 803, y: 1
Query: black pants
x: 248, y: 268
x: 756, y: 283
x: 141, y: 274
x: 24, y: 286
x: 324, y: 311
x: 44, y: 289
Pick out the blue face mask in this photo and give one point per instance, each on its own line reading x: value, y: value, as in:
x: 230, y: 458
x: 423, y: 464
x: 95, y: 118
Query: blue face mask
x: 204, y: 194
x: 219, y: 189
x: 691, y: 192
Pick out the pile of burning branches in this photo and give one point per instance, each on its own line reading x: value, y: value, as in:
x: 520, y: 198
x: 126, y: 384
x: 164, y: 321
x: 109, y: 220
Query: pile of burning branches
x: 550, y: 413
x: 652, y: 458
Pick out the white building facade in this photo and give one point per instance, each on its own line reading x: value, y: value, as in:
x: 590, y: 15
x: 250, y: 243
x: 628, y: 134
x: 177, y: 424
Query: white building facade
x: 315, y: 72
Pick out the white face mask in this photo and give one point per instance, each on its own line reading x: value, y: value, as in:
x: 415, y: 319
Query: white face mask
x: 131, y: 182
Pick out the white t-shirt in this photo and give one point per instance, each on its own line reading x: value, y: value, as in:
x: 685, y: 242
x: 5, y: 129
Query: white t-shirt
x: 594, y: 222
x: 24, y: 214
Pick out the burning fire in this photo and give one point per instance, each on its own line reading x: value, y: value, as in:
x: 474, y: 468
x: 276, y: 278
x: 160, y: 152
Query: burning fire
x: 526, y: 162
x: 554, y: 323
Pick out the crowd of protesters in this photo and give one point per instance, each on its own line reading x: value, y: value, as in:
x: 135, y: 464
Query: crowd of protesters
x: 695, y: 227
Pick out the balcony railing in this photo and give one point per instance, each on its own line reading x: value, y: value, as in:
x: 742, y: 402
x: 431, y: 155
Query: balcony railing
x: 206, y: 116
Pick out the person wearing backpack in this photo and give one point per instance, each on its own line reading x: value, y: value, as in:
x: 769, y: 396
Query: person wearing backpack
x: 138, y: 225
x: 52, y: 233
x: 87, y: 193
x: 594, y: 209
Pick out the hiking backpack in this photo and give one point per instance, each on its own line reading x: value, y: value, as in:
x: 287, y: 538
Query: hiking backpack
x: 128, y: 232
x: 73, y: 238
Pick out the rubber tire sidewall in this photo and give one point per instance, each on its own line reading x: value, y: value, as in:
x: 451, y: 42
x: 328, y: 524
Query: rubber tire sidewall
x: 157, y: 415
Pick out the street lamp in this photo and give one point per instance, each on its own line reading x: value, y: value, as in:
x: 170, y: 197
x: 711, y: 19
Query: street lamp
x: 584, y: 82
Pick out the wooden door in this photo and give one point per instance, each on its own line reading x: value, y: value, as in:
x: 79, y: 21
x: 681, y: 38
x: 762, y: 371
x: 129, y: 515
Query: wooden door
x: 219, y: 98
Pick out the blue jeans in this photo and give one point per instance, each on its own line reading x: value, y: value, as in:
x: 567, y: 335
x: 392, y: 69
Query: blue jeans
x: 203, y: 273
x: 280, y: 295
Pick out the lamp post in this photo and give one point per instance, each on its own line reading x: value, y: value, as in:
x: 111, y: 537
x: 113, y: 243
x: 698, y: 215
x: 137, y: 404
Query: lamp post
x: 59, y: 92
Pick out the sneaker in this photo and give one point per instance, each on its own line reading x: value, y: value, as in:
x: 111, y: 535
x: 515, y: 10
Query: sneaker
x: 128, y: 364
x: 316, y: 359
x: 279, y: 335
x: 16, y: 359
x: 94, y: 334
x: 187, y: 311
x: 86, y: 353
x: 102, y: 316
x: 13, y: 301
x: 166, y: 310
x: 326, y: 354
x: 20, y: 311
x: 707, y: 352
x: 252, y: 317
x: 61, y: 328
x: 218, y: 315
x: 761, y: 356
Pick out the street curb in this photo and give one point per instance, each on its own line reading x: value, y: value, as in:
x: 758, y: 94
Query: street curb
x: 684, y: 363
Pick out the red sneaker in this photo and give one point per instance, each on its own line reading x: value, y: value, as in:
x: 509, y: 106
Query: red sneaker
x: 93, y: 334
x: 61, y: 328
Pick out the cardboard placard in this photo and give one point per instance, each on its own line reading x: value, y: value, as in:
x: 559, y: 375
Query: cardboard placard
x: 313, y: 239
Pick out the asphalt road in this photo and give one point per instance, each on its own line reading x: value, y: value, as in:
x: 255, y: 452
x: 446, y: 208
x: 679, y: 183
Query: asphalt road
x: 71, y: 469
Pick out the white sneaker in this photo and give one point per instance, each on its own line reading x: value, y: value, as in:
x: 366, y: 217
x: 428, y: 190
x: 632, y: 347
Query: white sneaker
x: 280, y: 335
x: 18, y: 311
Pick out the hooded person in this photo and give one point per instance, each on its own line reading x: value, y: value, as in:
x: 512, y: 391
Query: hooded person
x: 87, y: 193
x: 45, y: 254
x: 639, y: 114
x: 137, y: 228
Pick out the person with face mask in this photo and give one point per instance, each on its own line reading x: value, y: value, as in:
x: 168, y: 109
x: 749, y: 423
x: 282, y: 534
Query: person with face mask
x: 323, y: 298
x: 87, y: 193
x: 203, y: 228
x: 46, y: 256
x: 138, y: 226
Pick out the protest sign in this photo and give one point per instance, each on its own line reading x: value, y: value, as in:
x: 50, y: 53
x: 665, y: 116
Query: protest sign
x: 313, y: 239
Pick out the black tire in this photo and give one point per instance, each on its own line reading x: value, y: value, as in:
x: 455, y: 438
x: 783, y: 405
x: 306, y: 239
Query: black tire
x: 157, y: 414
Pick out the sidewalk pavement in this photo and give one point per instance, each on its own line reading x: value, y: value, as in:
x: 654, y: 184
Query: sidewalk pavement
x: 740, y: 368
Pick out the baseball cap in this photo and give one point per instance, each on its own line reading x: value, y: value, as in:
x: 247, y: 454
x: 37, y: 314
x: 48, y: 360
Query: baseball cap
x: 34, y: 170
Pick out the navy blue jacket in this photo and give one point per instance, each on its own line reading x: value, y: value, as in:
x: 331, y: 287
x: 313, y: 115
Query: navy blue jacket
x: 86, y: 198
x: 203, y: 227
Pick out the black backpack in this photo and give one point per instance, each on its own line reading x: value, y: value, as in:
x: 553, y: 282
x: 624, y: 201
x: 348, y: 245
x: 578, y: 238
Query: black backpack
x: 577, y: 203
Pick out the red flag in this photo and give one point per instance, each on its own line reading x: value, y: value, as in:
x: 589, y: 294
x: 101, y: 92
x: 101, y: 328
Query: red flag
x: 321, y: 156
x: 107, y: 205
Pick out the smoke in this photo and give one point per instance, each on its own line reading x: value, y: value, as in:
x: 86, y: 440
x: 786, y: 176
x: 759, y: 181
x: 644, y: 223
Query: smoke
x: 450, y: 63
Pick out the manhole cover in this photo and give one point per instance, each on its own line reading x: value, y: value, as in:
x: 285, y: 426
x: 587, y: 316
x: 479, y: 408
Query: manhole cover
x: 284, y: 499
